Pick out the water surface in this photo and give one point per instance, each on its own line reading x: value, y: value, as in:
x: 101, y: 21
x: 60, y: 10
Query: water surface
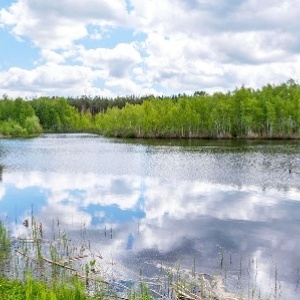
x: 227, y: 207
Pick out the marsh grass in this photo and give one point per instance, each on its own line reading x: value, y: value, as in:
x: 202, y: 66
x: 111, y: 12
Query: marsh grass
x: 60, y: 269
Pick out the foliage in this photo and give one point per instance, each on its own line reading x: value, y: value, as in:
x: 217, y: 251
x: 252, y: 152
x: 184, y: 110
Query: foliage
x: 32, y: 125
x: 100, y: 104
x: 17, y: 118
x: 56, y: 115
x: 270, y: 112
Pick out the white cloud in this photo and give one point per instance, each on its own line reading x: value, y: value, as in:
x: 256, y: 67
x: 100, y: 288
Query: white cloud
x: 129, y: 87
x: 252, y: 47
x: 211, y: 44
x: 189, y: 45
x: 51, y: 79
x: 108, y: 11
x: 57, y: 24
x: 52, y: 57
x: 116, y: 61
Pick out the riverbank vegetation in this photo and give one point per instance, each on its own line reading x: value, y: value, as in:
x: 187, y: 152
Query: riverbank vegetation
x: 270, y: 112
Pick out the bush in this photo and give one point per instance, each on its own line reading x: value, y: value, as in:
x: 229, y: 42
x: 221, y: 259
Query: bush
x: 32, y: 125
x: 12, y: 128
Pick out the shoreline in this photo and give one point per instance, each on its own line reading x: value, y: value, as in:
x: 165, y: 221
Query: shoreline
x: 175, y: 138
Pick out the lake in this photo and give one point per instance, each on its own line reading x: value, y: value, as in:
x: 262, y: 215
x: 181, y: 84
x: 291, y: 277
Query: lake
x: 220, y: 207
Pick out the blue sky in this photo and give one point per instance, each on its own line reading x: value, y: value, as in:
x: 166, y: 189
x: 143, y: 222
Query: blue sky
x: 124, y: 47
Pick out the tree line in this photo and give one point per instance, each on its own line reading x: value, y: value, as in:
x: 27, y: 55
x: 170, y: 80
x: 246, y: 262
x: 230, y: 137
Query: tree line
x: 272, y: 111
x: 269, y: 112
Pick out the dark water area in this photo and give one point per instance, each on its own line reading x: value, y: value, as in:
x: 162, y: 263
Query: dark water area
x: 221, y: 207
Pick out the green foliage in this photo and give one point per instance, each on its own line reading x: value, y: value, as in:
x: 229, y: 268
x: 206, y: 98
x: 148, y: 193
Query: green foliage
x: 17, y: 118
x: 12, y: 128
x: 100, y: 104
x: 272, y: 112
x: 56, y: 115
x: 32, y: 125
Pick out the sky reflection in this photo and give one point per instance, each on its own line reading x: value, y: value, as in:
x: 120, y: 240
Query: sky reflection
x: 158, y: 220
x: 149, y: 204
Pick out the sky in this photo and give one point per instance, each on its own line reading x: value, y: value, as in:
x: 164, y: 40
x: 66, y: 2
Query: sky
x: 139, y: 47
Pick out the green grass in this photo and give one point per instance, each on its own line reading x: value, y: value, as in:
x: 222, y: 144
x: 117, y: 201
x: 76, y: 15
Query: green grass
x: 74, y: 289
x: 34, y: 289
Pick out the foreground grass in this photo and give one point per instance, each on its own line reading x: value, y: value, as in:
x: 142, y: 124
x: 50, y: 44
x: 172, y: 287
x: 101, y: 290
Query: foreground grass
x: 33, y: 289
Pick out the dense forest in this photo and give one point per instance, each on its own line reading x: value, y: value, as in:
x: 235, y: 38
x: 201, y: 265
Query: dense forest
x: 270, y: 112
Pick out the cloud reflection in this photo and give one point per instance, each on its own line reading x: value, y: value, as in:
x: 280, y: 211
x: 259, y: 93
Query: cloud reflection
x: 160, y: 220
x: 2, y: 192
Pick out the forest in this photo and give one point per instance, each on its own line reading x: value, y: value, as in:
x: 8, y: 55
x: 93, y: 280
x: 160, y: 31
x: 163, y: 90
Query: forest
x: 271, y: 112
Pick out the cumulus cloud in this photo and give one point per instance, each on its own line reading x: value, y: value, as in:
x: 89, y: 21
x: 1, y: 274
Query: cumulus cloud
x: 51, y: 79
x: 52, y: 56
x: 116, y: 61
x: 188, y: 45
x: 210, y: 44
x: 57, y: 24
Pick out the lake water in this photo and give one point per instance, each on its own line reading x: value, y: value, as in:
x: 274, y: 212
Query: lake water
x: 221, y: 207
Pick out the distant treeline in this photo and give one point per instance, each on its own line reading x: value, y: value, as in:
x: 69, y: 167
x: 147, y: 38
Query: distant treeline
x: 270, y: 112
